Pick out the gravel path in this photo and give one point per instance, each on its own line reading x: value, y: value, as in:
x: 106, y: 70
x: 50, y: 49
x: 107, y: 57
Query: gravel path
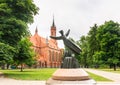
x: 112, y: 76
x: 7, y: 81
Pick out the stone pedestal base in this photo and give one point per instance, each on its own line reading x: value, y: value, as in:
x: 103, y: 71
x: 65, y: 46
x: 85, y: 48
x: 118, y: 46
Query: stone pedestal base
x: 70, y: 76
x: 50, y: 81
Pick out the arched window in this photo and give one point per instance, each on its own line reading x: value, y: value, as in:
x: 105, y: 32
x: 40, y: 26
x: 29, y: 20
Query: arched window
x: 59, y: 57
x: 50, y: 56
x: 56, y: 56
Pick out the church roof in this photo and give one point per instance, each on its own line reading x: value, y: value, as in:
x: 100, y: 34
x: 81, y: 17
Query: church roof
x: 39, y: 41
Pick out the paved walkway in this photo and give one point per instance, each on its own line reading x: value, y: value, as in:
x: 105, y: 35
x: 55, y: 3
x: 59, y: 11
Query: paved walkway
x: 115, y: 77
x: 7, y: 81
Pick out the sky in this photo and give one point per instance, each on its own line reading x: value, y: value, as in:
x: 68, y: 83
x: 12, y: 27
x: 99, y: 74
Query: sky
x: 76, y: 15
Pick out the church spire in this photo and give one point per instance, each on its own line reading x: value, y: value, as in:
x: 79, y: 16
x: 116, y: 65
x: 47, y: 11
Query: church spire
x: 53, y: 24
x: 53, y: 28
x: 36, y: 30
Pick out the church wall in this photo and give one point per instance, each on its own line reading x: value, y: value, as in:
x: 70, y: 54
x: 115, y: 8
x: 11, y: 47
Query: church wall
x: 48, y: 52
x: 55, y: 57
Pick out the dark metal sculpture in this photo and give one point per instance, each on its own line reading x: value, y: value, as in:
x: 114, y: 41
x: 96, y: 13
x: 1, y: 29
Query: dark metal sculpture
x: 69, y: 61
x: 68, y: 43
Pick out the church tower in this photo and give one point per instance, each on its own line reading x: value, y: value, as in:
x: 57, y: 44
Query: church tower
x: 53, y: 28
x: 53, y: 31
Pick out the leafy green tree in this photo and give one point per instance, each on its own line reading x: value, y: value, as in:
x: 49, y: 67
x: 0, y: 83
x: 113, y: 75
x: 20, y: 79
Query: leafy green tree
x: 6, y: 54
x: 14, y: 17
x: 93, y: 43
x: 97, y: 59
x: 25, y: 54
x: 109, y: 38
x: 84, y: 59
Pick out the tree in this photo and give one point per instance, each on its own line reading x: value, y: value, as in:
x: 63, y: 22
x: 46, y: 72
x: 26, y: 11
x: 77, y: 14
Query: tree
x: 101, y: 45
x: 25, y: 54
x: 109, y: 37
x: 93, y: 44
x: 97, y: 59
x: 14, y: 17
x: 84, y: 59
x: 6, y: 54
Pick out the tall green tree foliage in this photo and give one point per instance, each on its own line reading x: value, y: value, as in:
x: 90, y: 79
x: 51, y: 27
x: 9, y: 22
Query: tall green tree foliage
x: 109, y: 38
x: 25, y: 54
x: 101, y: 45
x: 90, y: 46
x: 93, y: 44
x: 6, y: 54
x: 84, y: 59
x: 14, y: 17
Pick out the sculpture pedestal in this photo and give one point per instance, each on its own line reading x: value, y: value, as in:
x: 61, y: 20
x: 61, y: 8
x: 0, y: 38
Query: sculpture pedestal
x: 70, y: 76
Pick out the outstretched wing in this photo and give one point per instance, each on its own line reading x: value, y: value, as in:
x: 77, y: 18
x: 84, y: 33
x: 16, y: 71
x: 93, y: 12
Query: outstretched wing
x: 67, y: 33
x: 56, y: 38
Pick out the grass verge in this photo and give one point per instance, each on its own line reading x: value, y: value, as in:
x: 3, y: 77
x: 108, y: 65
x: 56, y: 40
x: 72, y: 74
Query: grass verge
x: 111, y: 70
x: 98, y: 78
x: 40, y: 74
x: 29, y: 74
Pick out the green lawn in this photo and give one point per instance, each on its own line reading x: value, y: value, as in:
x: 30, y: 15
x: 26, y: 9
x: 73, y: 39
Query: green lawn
x: 111, y: 70
x: 39, y: 74
x: 29, y: 74
x: 97, y: 77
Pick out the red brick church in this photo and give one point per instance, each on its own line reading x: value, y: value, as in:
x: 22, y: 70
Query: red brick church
x: 48, y: 54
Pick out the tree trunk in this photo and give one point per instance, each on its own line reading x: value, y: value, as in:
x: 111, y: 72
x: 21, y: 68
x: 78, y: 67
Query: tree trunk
x: 8, y: 66
x: 114, y: 67
x: 21, y: 69
x: 110, y: 66
x: 3, y: 66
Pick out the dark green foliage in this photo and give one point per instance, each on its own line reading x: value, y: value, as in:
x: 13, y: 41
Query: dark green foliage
x: 25, y: 54
x: 93, y: 45
x: 12, y: 31
x: 84, y: 59
x: 101, y: 45
x: 14, y: 17
x: 19, y: 9
x: 109, y: 38
x: 6, y: 54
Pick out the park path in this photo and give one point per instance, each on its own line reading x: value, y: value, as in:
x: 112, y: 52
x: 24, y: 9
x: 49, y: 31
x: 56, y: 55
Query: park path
x: 109, y: 75
x: 8, y: 81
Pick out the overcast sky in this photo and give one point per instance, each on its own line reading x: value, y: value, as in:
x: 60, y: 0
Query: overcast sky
x: 76, y: 15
